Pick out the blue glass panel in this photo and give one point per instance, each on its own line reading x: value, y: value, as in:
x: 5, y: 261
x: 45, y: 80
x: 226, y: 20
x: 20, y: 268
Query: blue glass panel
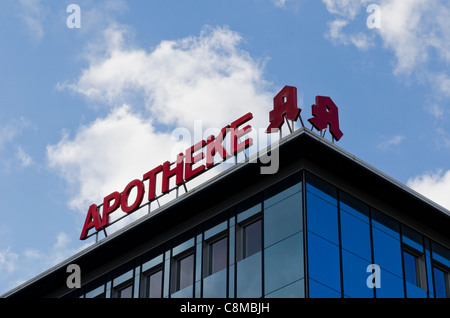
x: 386, y: 224
x: 322, y: 218
x: 215, y: 286
x: 294, y: 290
x: 440, y: 254
x: 355, y: 235
x: 187, y: 292
x: 410, y: 264
x: 321, y: 188
x: 413, y: 291
x: 249, y: 277
x: 283, y: 219
x: 323, y: 261
x: 283, y: 263
x: 282, y: 195
x: 183, y: 246
x: 282, y: 190
x: 439, y: 283
x: 318, y: 290
x: 354, y: 207
x: 412, y: 238
x: 355, y: 276
x: 391, y: 286
x: 387, y: 252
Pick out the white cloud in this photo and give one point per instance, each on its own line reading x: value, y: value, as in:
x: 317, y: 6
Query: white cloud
x: 433, y: 185
x: 147, y: 94
x: 16, y: 268
x: 8, y: 261
x: 24, y: 158
x: 32, y: 13
x: 416, y: 31
x: 389, y: 142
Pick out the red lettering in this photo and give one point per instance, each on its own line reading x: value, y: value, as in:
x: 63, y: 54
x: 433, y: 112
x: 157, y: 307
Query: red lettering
x: 325, y: 113
x: 284, y: 105
x: 189, y: 160
x: 237, y: 133
x: 151, y: 176
x: 92, y: 220
x: 108, y: 208
x: 126, y: 193
x: 213, y: 145
x: 169, y: 173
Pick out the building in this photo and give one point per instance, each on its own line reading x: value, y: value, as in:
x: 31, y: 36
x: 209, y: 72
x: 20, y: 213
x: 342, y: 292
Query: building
x: 313, y: 229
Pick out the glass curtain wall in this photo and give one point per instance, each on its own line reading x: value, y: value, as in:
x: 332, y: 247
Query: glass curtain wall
x: 345, y: 237
x: 293, y: 239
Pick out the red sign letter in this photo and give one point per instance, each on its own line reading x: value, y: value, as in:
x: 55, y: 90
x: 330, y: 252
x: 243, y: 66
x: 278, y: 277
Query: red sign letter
x: 214, y: 145
x: 284, y: 105
x: 92, y: 220
x: 177, y: 171
x: 325, y: 113
x: 189, y: 160
x: 126, y: 193
x: 236, y: 133
x: 151, y: 176
x: 107, y: 208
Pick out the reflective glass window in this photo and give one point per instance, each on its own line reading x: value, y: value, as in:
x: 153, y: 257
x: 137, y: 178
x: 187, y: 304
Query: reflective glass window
x: 283, y: 219
x: 125, y: 292
x: 391, y: 286
x: 252, y: 238
x: 321, y: 188
x: 386, y: 244
x: 154, y: 285
x: 410, y: 264
x: 440, y: 283
x: 318, y: 290
x: 217, y: 255
x: 249, y: 277
x: 354, y: 270
x: 185, y: 271
x: 283, y: 263
x: 322, y: 218
x: 323, y: 262
x: 355, y: 235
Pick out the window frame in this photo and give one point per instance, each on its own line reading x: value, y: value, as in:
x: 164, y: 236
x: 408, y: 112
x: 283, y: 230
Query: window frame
x: 420, y: 266
x: 119, y: 288
x: 241, y: 252
x: 446, y: 271
x: 208, y: 253
x: 145, y: 280
x: 176, y: 275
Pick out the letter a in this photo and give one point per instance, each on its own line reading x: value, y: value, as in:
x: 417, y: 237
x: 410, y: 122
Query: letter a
x: 374, y: 19
x: 73, y: 20
x: 374, y: 279
x: 92, y: 220
x: 74, y: 279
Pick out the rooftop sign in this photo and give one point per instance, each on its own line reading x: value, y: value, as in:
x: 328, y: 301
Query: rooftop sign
x: 202, y: 154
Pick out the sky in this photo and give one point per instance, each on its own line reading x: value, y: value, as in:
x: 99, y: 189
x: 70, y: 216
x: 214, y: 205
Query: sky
x: 94, y: 95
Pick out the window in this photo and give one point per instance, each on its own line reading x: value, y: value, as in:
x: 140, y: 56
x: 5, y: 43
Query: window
x: 414, y: 268
x: 217, y: 256
x: 252, y: 238
x: 411, y: 274
x: 184, y: 272
x: 441, y: 282
x: 124, y: 291
x: 154, y: 284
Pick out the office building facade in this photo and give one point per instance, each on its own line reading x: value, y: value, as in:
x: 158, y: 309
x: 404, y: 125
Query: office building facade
x: 326, y: 225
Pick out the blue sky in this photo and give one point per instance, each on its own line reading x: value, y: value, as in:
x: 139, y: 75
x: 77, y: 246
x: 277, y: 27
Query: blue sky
x: 85, y: 110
